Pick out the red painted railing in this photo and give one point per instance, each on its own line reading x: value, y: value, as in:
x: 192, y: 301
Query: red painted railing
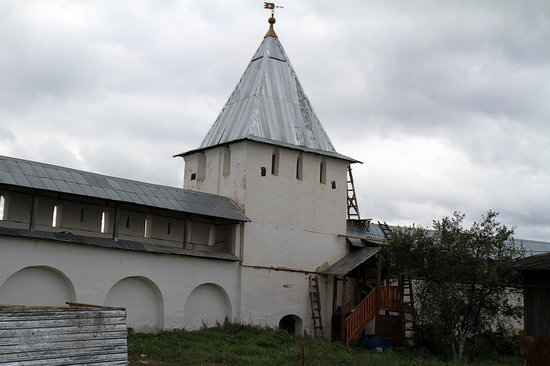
x: 389, y: 298
x: 364, y: 313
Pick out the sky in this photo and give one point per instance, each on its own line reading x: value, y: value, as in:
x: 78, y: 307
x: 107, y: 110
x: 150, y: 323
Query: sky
x: 445, y: 103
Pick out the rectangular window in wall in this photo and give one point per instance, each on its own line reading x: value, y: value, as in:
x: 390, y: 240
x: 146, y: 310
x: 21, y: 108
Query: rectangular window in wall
x: 299, y: 167
x: 3, y: 207
x: 275, y: 162
x: 323, y: 172
x: 226, y: 161
x: 56, y: 215
x: 148, y: 227
x: 105, y: 220
x: 201, y: 166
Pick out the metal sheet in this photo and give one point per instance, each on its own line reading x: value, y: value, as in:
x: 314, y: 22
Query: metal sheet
x: 350, y: 261
x: 269, y: 103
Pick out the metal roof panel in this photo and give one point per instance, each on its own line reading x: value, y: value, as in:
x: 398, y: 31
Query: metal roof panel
x: 7, y: 178
x: 350, y: 261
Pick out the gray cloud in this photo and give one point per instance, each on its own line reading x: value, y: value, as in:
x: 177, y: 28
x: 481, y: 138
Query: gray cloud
x: 445, y: 103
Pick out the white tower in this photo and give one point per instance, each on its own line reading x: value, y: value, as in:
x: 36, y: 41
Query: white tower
x: 268, y: 152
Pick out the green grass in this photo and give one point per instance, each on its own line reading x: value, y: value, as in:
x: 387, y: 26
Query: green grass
x: 240, y: 344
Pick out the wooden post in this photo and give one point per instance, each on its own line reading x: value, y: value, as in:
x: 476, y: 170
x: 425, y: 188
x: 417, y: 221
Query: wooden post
x: 343, y: 319
x: 116, y: 222
x: 378, y: 280
x: 334, y: 293
x: 34, y: 211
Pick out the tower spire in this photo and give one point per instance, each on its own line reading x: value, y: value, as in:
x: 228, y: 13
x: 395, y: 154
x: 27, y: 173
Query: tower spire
x: 271, y: 31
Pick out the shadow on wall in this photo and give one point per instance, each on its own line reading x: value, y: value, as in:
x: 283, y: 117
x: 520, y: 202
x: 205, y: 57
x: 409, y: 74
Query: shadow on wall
x: 206, y: 304
x: 37, y: 286
x: 143, y: 302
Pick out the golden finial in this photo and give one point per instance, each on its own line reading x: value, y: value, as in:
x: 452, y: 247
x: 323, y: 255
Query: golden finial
x: 271, y: 32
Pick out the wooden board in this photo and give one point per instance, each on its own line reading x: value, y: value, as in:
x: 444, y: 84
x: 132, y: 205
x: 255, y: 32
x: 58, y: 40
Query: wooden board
x: 63, y: 335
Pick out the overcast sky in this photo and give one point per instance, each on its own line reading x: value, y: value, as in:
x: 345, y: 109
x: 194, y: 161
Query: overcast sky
x: 446, y: 103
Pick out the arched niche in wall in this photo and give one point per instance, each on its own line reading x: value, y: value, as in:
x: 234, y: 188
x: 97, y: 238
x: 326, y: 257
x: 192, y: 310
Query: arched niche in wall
x: 37, y: 286
x: 292, y: 324
x: 207, y: 304
x: 143, y: 302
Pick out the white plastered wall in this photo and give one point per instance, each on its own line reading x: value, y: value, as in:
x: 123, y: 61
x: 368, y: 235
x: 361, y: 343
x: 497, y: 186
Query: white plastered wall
x: 293, y: 230
x: 94, y: 271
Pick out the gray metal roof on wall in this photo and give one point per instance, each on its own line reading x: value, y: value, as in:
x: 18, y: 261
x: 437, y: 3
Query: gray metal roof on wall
x: 360, y: 233
x: 351, y: 261
x: 269, y: 105
x: 30, y: 174
x: 533, y: 247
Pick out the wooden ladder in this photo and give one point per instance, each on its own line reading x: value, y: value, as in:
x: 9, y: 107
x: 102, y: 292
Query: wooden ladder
x: 386, y: 230
x: 353, y: 208
x: 407, y: 311
x: 315, y: 306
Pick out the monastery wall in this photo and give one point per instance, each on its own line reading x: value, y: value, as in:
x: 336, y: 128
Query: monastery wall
x: 159, y: 291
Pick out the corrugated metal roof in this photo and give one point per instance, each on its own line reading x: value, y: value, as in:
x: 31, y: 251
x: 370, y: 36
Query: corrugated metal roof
x: 350, y: 261
x: 23, y: 173
x: 533, y: 247
x: 368, y: 231
x: 269, y: 105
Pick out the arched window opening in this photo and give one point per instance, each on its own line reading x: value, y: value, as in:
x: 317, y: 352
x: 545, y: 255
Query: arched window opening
x: 291, y: 324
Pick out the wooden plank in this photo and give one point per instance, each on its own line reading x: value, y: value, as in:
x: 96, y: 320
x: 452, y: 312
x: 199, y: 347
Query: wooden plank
x: 53, y: 323
x: 63, y: 335
x: 63, y: 312
x: 106, y: 356
x: 18, y: 339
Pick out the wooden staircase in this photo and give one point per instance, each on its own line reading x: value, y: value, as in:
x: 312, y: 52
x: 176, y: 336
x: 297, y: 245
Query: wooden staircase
x: 360, y: 317
x: 315, y: 306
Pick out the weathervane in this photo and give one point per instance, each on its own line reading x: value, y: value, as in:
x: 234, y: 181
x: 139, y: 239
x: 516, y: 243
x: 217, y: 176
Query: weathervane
x: 272, y: 7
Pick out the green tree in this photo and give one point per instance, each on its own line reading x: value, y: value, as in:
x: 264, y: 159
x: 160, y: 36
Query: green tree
x: 456, y: 285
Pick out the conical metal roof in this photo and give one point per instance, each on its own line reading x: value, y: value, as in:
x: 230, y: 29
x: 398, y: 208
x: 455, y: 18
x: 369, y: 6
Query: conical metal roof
x: 269, y: 105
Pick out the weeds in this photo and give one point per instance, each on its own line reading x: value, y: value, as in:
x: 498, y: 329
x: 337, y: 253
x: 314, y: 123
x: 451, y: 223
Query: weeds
x: 243, y: 344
